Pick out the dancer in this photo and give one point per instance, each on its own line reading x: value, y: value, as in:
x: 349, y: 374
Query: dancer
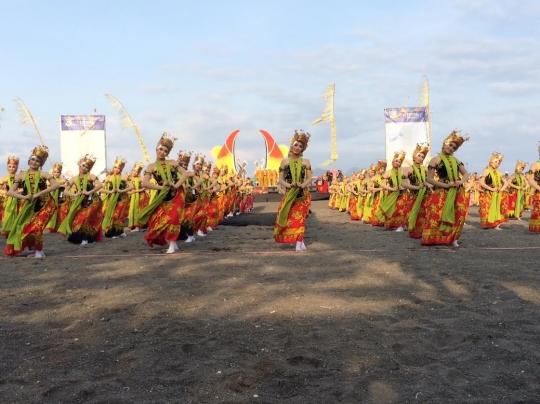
x: 447, y: 204
x: 533, y: 178
x: 378, y: 193
x: 416, y: 181
x: 295, y: 177
x: 60, y: 200
x: 517, y: 186
x: 493, y: 182
x: 9, y: 204
x: 82, y: 224
x: 394, y: 210
x: 162, y: 214
x: 116, y: 207
x: 138, y: 197
x: 37, y: 206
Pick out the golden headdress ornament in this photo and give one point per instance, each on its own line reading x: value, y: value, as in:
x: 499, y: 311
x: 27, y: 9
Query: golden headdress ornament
x: 362, y: 172
x: 167, y: 141
x: 399, y: 155
x: 89, y: 160
x: 184, y: 156
x: 199, y: 158
x: 225, y: 168
x: 137, y: 167
x: 58, y: 166
x: 496, y: 156
x: 207, y: 165
x: 41, y: 152
x: 120, y: 162
x: 521, y: 164
x: 381, y: 164
x: 373, y: 167
x: 421, y: 148
x: 455, y: 137
x: 301, y: 137
x: 216, y: 170
x: 13, y: 160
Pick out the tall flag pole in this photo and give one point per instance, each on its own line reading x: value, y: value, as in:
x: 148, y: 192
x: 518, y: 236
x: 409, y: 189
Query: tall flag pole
x: 328, y: 116
x: 127, y: 122
x: 424, y: 102
x: 26, y: 117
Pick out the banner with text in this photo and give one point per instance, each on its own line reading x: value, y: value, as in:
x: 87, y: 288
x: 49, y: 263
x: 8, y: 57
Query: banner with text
x: 405, y: 127
x: 80, y: 135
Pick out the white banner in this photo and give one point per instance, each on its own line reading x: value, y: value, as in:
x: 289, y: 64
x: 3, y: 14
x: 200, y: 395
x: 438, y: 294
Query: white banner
x: 405, y: 127
x: 80, y: 135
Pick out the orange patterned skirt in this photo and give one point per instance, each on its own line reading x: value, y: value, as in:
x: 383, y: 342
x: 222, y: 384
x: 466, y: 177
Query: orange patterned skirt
x: 164, y: 222
x: 32, y: 234
x: 86, y: 224
x: 534, y: 221
x: 400, y: 216
x: 432, y: 232
x: 296, y: 220
x: 483, y: 211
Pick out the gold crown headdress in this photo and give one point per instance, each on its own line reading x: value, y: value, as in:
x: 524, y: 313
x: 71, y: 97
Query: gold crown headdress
x: 455, y: 137
x: 184, y: 156
x: 138, y: 166
x: 362, y: 172
x: 199, y: 158
x: 216, y: 170
x: 120, y: 162
x: 302, y: 137
x: 41, y: 152
x: 89, y: 160
x: 421, y: 148
x: 521, y: 164
x: 58, y: 166
x: 496, y: 156
x: 381, y: 164
x: 207, y: 165
x: 13, y: 160
x: 225, y: 168
x: 399, y: 155
x: 373, y: 167
x: 167, y: 141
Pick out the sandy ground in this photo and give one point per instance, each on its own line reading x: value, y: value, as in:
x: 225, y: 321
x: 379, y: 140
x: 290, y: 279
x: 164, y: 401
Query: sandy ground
x: 364, y: 316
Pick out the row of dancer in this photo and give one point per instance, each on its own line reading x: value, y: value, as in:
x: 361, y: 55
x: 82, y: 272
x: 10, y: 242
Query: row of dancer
x: 169, y: 201
x: 432, y: 203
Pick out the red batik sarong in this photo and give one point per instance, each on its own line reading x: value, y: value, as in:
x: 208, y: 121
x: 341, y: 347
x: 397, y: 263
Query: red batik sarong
x: 432, y: 232
x: 32, y: 234
x: 164, y: 222
x: 485, y: 203
x: 534, y: 221
x: 296, y: 219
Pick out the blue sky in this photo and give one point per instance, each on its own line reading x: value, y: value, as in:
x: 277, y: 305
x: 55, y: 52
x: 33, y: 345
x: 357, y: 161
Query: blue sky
x: 200, y: 70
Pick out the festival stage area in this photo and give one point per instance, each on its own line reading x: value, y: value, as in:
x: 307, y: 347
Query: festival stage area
x: 364, y: 316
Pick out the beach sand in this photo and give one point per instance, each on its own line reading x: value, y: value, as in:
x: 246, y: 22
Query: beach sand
x: 364, y: 316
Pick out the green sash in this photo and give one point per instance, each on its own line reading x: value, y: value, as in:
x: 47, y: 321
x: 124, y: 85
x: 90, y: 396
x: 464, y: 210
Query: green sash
x: 290, y: 196
x: 448, y: 214
x: 65, y: 227
x: 166, y: 174
x: 494, y: 213
x: 421, y: 175
x: 10, y: 210
x: 360, y: 197
x: 54, y: 195
x: 112, y: 201
x: 134, y: 202
x: 520, y: 200
x: 24, y: 216
x: 388, y: 204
